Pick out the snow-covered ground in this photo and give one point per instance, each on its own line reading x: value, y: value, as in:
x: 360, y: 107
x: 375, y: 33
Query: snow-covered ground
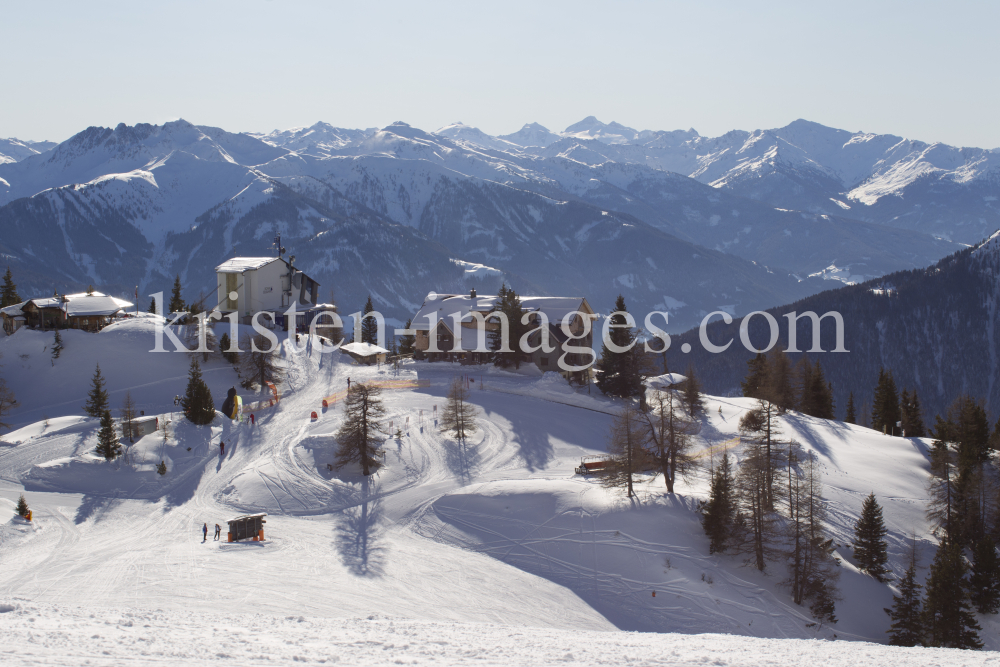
x: 493, y: 552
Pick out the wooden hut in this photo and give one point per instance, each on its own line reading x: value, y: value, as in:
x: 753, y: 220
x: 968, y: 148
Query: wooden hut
x: 248, y: 526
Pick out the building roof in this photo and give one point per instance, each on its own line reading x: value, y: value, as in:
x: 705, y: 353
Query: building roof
x: 363, y: 349
x: 665, y: 381
x: 13, y: 311
x: 82, y: 305
x: 246, y: 516
x: 444, y: 306
x: 241, y: 264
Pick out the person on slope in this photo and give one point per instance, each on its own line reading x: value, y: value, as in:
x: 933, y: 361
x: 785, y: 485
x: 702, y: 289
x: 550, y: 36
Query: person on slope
x: 222, y: 448
x: 251, y: 420
x: 218, y: 532
x: 204, y: 532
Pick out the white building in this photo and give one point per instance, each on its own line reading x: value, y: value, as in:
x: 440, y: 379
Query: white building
x: 269, y: 284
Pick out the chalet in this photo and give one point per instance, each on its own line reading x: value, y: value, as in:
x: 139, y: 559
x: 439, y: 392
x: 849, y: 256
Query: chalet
x: 365, y: 353
x: 248, y: 285
x: 445, y: 307
x: 87, y: 311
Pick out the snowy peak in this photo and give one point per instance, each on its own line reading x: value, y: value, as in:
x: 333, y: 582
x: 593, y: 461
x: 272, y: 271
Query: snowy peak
x: 320, y: 138
x: 611, y: 133
x: 462, y: 132
x: 532, y: 134
x: 15, y: 150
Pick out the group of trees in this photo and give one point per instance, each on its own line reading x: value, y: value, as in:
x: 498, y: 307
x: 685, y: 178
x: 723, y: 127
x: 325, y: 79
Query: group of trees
x: 771, y: 509
x: 801, y: 387
x: 893, y: 413
x: 507, y: 303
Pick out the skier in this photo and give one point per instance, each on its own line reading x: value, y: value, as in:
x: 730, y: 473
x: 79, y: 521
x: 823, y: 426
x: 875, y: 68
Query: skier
x: 251, y: 420
x: 204, y: 531
x: 222, y: 448
x: 218, y: 531
x: 348, y: 384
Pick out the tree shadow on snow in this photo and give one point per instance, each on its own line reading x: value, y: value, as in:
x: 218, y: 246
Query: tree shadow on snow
x: 93, y: 507
x: 359, y: 533
x: 461, y: 458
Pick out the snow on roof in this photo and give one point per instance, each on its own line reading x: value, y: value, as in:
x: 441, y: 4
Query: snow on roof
x: 363, y: 349
x: 11, y: 311
x: 83, y: 304
x: 445, y: 306
x: 241, y: 264
x: 665, y: 381
x: 245, y: 516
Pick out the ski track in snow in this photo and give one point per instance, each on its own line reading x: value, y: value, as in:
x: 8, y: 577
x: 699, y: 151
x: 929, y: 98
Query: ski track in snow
x: 497, y: 532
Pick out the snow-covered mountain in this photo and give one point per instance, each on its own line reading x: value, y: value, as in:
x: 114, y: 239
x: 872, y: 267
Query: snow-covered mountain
x: 15, y: 150
x: 585, y: 213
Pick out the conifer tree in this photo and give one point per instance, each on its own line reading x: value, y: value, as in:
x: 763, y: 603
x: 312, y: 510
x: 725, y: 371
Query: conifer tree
x: 870, y: 549
x: 618, y: 373
x: 361, y: 433
x: 948, y: 618
x: 224, y: 344
x: 821, y: 395
x: 152, y: 305
x: 911, y: 415
x: 692, y: 394
x: 508, y: 304
x: 369, y: 327
x: 885, y: 405
x: 107, y: 440
x: 161, y: 468
x: 22, y: 504
x: 176, y: 304
x: 197, y: 401
x: 804, y: 373
x: 984, y: 582
x: 781, y: 389
x: 851, y: 416
x: 719, y: 513
x: 907, y: 627
x: 756, y: 382
x: 97, y: 399
x: 127, y: 414
x: 458, y: 415
x: 406, y: 342
x: 8, y: 292
x: 7, y: 402
x: 941, y: 510
x: 57, y: 345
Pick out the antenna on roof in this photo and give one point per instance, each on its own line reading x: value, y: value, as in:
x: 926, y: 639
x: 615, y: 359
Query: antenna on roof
x: 277, y: 244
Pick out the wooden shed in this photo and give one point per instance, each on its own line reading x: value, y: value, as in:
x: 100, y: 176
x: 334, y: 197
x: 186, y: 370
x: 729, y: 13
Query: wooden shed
x: 143, y: 426
x: 248, y: 526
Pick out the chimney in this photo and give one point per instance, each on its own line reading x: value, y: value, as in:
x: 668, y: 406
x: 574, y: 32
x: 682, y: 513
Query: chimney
x: 472, y: 294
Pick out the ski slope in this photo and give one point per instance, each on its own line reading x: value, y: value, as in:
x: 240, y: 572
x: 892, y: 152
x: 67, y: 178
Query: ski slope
x: 499, y: 532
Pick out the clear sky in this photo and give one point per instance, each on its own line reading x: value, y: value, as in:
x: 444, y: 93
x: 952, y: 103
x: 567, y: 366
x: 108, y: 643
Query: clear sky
x: 924, y: 70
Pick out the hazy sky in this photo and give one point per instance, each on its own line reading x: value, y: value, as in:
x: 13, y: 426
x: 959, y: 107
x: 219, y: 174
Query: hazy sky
x: 925, y: 70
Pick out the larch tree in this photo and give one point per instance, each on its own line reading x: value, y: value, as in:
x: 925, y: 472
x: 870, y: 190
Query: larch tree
x: 907, y: 627
x: 942, y: 505
x: 8, y: 292
x: 760, y: 425
x: 756, y: 534
x: 458, y: 416
x: 669, y: 428
x: 626, y: 454
x: 948, y: 616
x: 127, y: 414
x: 870, y: 549
x: 258, y: 362
x: 197, y: 402
x: 361, y: 434
x: 108, y: 445
x: 97, y: 398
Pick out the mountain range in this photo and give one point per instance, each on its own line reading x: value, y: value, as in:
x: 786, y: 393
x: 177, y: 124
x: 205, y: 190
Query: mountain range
x: 672, y: 220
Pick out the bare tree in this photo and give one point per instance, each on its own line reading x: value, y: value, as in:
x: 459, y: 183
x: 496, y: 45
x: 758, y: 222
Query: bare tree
x: 361, y: 434
x: 256, y: 367
x: 127, y: 415
x: 760, y: 426
x: 7, y: 403
x: 669, y: 430
x: 756, y: 520
x: 458, y: 415
x: 625, y: 449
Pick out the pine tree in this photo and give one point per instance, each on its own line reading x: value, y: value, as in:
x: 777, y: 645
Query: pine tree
x: 907, y: 627
x: 508, y: 303
x: 885, y: 405
x: 197, y: 402
x: 618, y: 373
x: 57, y: 345
x: 406, y: 342
x: 8, y: 292
x: 692, y: 394
x: 941, y: 509
x: 870, y: 549
x: 90, y: 290
x: 821, y: 395
x: 224, y: 344
x: 911, y: 415
x: 152, y: 305
x: 176, y: 304
x: 719, y: 513
x: 781, y: 388
x: 97, y: 399
x: 984, y: 582
x: 361, y: 434
x: 107, y: 440
x: 22, y: 504
x: 161, y: 468
x: 369, y: 327
x: 804, y: 371
x: 458, y: 415
x: 756, y: 382
x: 948, y: 617
x: 625, y: 452
x: 850, y: 417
